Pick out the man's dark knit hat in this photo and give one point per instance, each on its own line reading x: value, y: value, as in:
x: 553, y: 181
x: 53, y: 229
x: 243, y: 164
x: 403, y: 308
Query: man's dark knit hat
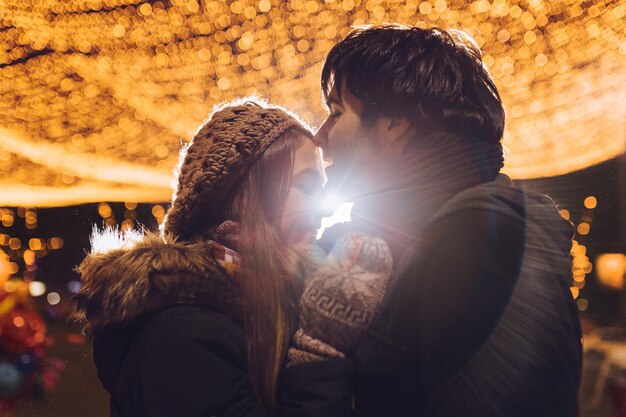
x: 222, y: 151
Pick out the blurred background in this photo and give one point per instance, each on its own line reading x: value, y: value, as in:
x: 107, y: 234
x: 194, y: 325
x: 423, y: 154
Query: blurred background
x: 97, y: 97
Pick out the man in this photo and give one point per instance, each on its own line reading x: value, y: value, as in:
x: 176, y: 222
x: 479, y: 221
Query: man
x: 478, y: 319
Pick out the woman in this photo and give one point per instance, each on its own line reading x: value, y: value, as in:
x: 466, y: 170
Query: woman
x: 201, y: 328
x: 198, y: 321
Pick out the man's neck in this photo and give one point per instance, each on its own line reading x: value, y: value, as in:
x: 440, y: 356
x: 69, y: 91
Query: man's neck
x: 408, y: 191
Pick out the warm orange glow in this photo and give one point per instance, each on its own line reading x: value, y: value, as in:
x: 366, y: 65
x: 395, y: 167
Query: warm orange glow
x: 55, y: 243
x: 580, y: 262
x: 22, y: 289
x: 35, y: 244
x: 104, y: 210
x: 15, y: 243
x: 583, y: 228
x: 87, y: 192
x: 158, y: 211
x: 591, y: 202
x: 7, y: 220
x: 581, y: 250
x: 127, y: 225
x: 579, y: 275
x: 10, y: 286
x: 610, y: 269
x: 97, y: 96
x: 29, y: 257
x: 5, y: 269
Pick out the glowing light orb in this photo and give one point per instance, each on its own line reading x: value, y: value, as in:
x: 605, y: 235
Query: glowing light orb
x: 610, y: 269
x: 36, y: 288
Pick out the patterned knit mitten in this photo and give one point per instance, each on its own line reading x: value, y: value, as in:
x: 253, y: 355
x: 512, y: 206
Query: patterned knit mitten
x: 341, y: 297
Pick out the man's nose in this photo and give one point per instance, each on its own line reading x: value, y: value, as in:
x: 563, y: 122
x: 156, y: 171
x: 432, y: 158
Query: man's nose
x: 321, y: 140
x: 321, y: 136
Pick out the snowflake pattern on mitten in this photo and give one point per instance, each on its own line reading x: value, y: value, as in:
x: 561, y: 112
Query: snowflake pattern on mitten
x: 344, y: 292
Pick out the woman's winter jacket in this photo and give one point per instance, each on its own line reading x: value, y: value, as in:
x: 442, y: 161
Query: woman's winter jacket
x: 168, y: 339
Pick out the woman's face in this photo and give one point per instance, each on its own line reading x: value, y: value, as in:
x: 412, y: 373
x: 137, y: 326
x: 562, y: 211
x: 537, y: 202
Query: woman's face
x: 302, y: 215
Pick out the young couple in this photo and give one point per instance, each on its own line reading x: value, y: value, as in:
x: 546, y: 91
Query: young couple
x: 447, y: 295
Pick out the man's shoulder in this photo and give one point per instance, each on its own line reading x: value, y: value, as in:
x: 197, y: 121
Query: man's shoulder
x: 498, y: 198
x: 468, y: 230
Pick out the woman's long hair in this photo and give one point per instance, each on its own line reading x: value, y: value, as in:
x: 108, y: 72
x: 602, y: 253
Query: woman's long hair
x: 267, y: 280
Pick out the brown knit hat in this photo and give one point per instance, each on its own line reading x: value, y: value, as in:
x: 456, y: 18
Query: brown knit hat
x: 224, y: 148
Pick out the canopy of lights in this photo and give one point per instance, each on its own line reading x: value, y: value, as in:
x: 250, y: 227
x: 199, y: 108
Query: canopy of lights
x: 97, y: 96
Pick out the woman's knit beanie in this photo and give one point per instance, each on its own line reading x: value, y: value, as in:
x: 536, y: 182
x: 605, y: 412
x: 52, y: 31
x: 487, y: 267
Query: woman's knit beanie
x: 222, y: 151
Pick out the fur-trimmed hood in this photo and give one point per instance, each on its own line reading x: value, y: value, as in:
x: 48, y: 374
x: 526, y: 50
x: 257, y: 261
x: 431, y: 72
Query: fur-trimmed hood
x: 127, y: 276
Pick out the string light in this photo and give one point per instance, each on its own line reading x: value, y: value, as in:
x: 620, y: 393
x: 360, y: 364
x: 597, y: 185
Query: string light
x: 99, y: 94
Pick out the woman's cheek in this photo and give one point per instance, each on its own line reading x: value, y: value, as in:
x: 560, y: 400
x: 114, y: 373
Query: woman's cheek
x: 290, y: 219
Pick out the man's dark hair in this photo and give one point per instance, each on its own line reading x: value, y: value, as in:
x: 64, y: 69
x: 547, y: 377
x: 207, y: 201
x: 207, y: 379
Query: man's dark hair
x: 433, y: 77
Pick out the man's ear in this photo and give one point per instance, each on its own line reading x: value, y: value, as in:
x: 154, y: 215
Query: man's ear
x: 392, y: 129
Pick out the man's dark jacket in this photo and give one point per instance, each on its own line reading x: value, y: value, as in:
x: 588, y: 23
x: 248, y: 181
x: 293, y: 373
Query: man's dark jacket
x: 168, y: 339
x: 479, y: 320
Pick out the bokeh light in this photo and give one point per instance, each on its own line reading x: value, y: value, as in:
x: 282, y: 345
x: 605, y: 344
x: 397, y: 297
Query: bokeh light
x: 36, y: 288
x: 53, y: 298
x: 591, y: 202
x: 97, y: 95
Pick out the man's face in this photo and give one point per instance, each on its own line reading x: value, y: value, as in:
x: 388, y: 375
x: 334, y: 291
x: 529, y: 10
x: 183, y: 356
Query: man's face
x: 348, y: 142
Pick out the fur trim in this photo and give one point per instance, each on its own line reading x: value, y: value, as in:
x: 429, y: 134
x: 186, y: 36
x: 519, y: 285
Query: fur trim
x: 128, y: 275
